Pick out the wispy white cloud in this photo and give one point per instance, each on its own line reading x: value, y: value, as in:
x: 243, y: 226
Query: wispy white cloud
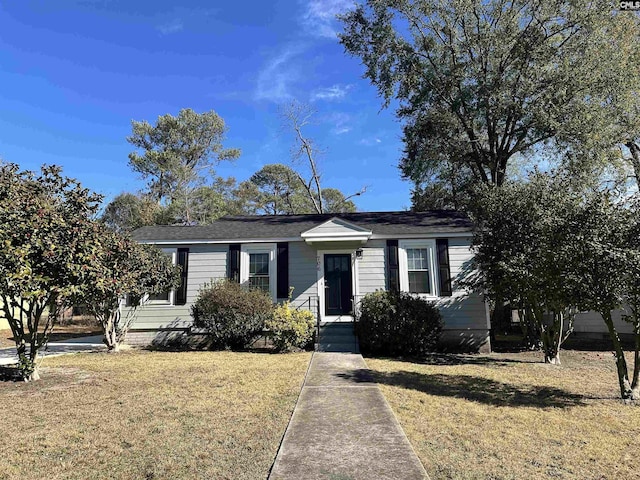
x: 174, y: 26
x: 276, y: 78
x: 370, y: 142
x: 319, y: 17
x: 333, y: 93
x: 341, y: 122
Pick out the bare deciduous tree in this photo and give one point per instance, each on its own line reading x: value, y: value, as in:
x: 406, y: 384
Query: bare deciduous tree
x: 296, y: 116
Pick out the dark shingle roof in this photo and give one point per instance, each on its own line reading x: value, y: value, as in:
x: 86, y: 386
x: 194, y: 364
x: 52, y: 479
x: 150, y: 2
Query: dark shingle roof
x: 290, y: 226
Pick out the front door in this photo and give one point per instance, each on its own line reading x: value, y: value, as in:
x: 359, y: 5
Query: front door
x: 337, y: 284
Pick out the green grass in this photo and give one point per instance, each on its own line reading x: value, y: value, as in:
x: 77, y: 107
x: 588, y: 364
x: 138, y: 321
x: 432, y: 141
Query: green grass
x: 150, y: 415
x: 508, y: 416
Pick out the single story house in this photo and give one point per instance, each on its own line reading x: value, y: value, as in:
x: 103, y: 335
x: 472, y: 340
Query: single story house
x: 330, y: 260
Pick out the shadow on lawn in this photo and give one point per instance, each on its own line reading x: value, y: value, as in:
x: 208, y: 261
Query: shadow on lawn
x: 468, y: 359
x: 452, y: 359
x: 469, y: 387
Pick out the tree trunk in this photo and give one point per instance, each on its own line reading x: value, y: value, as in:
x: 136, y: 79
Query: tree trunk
x: 27, y: 366
x: 110, y: 339
x: 33, y: 376
x: 552, y: 357
x: 635, y: 381
x: 549, y: 346
x: 621, y: 363
x: 498, y: 317
x: 110, y: 326
x: 634, y: 149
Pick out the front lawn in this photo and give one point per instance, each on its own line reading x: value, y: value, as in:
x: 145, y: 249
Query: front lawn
x: 508, y: 416
x: 150, y: 415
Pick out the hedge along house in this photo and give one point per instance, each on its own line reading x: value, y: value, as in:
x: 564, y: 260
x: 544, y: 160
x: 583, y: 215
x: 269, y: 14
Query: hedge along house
x: 331, y: 261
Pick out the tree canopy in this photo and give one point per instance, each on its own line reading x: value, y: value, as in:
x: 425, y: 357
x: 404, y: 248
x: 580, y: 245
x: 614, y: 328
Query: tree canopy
x: 120, y: 268
x: 129, y: 211
x: 526, y: 246
x: 279, y: 190
x: 45, y: 249
x: 480, y: 82
x: 178, y: 154
x: 177, y: 157
x: 552, y: 247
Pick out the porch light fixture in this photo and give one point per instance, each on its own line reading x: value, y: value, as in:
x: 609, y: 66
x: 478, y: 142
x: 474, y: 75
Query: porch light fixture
x: 359, y: 253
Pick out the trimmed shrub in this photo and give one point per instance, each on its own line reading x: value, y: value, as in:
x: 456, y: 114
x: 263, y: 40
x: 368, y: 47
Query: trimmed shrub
x: 398, y: 324
x: 290, y: 329
x: 233, y: 316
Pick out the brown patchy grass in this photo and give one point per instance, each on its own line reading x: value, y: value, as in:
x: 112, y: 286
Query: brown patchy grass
x: 60, y: 332
x: 508, y: 416
x: 150, y: 415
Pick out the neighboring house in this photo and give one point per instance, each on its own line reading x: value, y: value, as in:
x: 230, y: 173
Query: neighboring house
x: 330, y: 260
x: 589, y: 325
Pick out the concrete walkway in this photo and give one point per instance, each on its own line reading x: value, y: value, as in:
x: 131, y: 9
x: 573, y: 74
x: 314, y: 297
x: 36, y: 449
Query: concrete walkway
x: 343, y: 428
x: 72, y: 345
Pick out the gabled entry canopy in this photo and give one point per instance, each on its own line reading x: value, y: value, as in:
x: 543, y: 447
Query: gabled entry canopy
x: 336, y: 230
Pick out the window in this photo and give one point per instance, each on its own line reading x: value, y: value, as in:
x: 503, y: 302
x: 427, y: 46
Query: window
x: 417, y: 267
x: 160, y: 297
x: 259, y: 271
x: 258, y: 267
x: 418, y: 270
x: 165, y: 298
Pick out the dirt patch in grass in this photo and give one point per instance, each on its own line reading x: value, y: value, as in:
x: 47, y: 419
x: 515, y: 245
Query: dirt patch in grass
x: 150, y: 415
x: 60, y: 332
x: 508, y: 416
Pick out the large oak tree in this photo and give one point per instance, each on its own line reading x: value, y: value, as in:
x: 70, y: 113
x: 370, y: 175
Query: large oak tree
x: 478, y: 83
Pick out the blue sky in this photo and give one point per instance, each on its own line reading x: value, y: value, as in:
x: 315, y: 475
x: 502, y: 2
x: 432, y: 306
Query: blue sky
x: 74, y: 73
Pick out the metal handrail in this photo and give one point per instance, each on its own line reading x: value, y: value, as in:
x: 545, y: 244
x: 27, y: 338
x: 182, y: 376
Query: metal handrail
x: 318, y: 323
x: 312, y: 304
x: 355, y: 310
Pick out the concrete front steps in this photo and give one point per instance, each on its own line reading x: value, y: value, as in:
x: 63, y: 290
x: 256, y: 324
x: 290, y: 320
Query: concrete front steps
x: 337, y: 337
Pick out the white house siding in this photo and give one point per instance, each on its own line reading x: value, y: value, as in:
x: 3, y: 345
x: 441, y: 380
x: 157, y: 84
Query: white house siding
x: 371, y: 267
x: 206, y: 263
x: 303, y: 273
x: 592, y: 324
x: 464, y: 313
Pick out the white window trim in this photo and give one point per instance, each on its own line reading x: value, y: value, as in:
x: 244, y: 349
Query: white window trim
x: 172, y: 293
x: 271, y: 249
x: 430, y: 245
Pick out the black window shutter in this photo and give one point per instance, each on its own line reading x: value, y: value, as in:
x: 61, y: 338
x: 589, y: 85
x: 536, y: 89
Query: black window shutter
x: 183, y: 261
x: 283, y: 270
x: 393, y: 267
x: 234, y: 262
x: 444, y: 269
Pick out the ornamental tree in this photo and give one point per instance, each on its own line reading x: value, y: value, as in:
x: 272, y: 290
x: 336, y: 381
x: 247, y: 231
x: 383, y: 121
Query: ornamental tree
x: 526, y: 246
x: 117, y: 267
x: 608, y: 275
x: 43, y: 253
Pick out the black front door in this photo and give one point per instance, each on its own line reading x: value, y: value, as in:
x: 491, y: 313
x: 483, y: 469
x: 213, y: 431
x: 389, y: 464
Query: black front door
x: 337, y: 284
